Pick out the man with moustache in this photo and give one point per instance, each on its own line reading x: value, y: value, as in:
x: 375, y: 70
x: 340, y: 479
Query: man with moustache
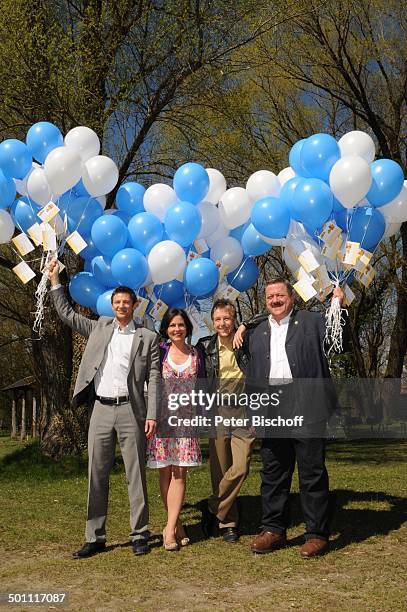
x: 229, y: 451
x: 284, y: 346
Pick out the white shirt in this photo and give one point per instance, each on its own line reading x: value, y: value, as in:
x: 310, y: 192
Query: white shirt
x: 179, y: 367
x: 111, y: 377
x: 280, y: 371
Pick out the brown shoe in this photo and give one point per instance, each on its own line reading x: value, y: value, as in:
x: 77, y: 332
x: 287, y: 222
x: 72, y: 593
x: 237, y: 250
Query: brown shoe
x: 267, y: 541
x: 314, y: 547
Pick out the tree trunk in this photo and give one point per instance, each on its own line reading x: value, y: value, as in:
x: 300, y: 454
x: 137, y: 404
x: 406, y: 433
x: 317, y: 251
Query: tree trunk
x: 13, y: 418
x: 34, y: 417
x: 23, y: 421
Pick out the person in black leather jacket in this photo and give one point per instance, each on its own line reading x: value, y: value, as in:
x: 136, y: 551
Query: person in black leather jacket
x: 229, y: 451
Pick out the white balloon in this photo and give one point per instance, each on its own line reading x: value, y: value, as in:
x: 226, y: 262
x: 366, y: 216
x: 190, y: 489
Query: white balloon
x: 217, y: 186
x: 350, y: 180
x: 84, y: 141
x: 235, y: 207
x: 102, y: 201
x: 210, y: 219
x: 38, y: 188
x: 158, y: 198
x: 396, y: 210
x: 63, y: 169
x: 273, y: 241
x: 166, y: 261
x: 357, y: 143
x: 21, y: 184
x: 228, y: 251
x: 285, y: 175
x: 220, y: 233
x: 7, y: 226
x: 391, y: 229
x: 99, y: 175
x: 261, y: 184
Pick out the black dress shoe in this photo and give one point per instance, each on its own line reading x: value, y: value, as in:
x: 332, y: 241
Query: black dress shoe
x: 230, y: 534
x: 208, y: 521
x: 89, y: 549
x: 140, y: 547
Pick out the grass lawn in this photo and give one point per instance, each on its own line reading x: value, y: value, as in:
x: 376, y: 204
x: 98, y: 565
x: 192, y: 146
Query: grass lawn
x: 42, y: 518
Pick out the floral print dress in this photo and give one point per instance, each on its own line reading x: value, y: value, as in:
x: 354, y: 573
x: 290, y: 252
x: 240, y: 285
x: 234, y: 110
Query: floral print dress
x: 182, y: 451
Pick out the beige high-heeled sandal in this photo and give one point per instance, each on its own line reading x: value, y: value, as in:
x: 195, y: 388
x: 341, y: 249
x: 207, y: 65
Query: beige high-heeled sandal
x: 183, y: 541
x: 171, y: 546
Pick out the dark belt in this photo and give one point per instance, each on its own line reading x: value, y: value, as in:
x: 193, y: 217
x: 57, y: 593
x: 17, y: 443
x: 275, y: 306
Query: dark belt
x: 110, y: 401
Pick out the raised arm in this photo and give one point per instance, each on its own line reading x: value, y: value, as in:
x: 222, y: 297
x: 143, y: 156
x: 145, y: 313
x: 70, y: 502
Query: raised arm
x: 66, y: 313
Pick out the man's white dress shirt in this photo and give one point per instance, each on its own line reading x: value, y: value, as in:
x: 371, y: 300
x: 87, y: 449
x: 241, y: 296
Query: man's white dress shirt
x: 280, y: 371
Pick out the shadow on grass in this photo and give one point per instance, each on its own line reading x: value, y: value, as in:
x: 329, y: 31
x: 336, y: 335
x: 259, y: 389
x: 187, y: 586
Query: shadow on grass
x: 349, y: 525
x: 367, y: 451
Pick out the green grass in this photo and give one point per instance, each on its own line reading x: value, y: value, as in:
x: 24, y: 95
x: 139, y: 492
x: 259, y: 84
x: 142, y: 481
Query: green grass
x: 42, y: 517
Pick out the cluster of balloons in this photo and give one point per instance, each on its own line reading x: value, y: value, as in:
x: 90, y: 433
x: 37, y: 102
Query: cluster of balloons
x: 175, y: 241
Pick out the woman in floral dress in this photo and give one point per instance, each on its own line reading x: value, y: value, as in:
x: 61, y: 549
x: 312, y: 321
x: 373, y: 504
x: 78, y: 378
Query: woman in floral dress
x: 181, y: 365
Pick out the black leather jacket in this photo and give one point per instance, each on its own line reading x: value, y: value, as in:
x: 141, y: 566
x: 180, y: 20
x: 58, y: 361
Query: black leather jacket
x: 209, y: 348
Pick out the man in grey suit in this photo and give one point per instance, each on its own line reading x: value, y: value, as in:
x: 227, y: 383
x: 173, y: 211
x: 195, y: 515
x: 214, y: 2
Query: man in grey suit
x: 119, y: 358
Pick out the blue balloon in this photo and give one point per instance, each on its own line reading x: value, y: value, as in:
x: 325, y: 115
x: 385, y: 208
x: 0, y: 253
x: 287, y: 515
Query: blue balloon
x: 169, y: 292
x: 87, y: 265
x: 82, y: 213
x: 252, y: 244
x: 238, y: 231
x: 7, y: 191
x: 185, y: 302
x: 109, y: 234
x: 80, y: 190
x: 201, y: 277
x: 245, y: 276
x: 85, y: 289
x: 387, y: 181
x: 90, y: 251
x: 129, y: 267
x: 312, y: 203
x: 24, y: 213
x: 318, y: 154
x: 101, y: 270
x: 294, y: 158
x: 367, y: 227
x: 129, y: 198
x: 145, y: 231
x: 343, y: 217
x: 270, y: 217
x: 287, y: 191
x: 182, y: 223
x: 104, y: 304
x: 42, y: 138
x: 15, y: 158
x: 65, y: 200
x: 118, y: 213
x: 191, y: 182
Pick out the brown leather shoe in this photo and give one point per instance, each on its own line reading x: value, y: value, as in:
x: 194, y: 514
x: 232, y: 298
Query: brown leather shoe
x: 267, y: 541
x: 314, y: 547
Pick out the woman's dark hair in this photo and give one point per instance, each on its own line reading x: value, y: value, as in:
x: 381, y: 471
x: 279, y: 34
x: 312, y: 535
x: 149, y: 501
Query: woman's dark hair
x: 168, y: 317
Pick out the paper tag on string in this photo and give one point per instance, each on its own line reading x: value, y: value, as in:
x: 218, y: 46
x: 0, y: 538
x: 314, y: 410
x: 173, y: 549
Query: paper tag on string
x: 201, y: 246
x: 366, y: 277
x: 323, y: 292
x: 35, y: 233
x: 308, y: 261
x: 158, y: 310
x: 76, y: 242
x: 227, y: 292
x: 304, y: 289
x: 223, y: 270
x: 349, y: 295
x: 61, y: 266
x: 149, y: 289
x: 24, y: 272
x: 323, y: 277
x: 48, y: 212
x: 58, y: 225
x: 330, y: 232
x: 192, y: 255
x: 49, y: 238
x: 142, y: 305
x: 301, y: 274
x: 363, y: 260
x: 23, y: 244
x: 351, y: 253
x: 331, y: 250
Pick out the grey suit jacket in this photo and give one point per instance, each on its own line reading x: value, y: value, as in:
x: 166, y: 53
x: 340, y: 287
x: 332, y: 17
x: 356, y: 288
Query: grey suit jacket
x: 144, y: 358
